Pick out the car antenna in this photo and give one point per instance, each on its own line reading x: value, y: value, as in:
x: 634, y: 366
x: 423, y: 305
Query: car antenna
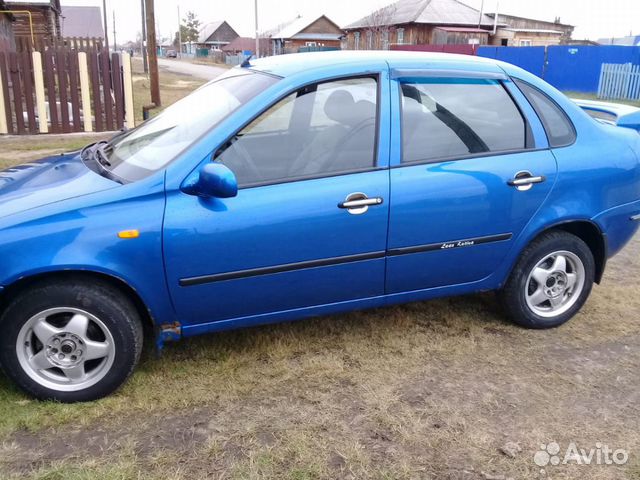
x: 245, y: 63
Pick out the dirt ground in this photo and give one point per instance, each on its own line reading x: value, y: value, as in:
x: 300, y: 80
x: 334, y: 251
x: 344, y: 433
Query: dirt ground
x: 445, y: 389
x: 428, y: 390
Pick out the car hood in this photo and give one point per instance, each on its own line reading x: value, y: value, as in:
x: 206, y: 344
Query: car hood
x: 48, y: 181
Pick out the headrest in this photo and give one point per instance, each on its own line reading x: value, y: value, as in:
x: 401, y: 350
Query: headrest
x: 339, y: 106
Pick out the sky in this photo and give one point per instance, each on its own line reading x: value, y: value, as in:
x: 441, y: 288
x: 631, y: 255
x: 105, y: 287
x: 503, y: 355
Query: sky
x: 593, y: 18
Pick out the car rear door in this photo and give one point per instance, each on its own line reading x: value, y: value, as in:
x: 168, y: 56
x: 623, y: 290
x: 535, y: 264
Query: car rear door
x: 309, y: 224
x: 473, y: 168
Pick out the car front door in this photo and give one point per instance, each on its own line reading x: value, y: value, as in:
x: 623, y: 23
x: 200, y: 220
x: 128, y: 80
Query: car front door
x: 309, y: 224
x: 455, y: 209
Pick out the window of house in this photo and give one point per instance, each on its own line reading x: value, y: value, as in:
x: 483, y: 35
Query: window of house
x: 525, y: 43
x: 323, y: 129
x: 400, y: 35
x: 560, y: 130
x: 369, y: 40
x: 444, y: 118
x: 356, y: 41
x: 385, y: 40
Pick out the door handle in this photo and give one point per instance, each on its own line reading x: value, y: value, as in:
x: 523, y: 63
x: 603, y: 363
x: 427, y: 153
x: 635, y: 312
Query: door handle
x: 358, y: 203
x: 525, y: 180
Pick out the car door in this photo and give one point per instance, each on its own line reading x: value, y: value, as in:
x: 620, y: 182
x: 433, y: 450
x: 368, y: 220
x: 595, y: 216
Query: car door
x: 309, y: 224
x: 473, y: 169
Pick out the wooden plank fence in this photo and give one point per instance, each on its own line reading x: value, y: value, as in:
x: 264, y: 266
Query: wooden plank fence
x: 619, y: 82
x: 81, y: 44
x: 65, y: 90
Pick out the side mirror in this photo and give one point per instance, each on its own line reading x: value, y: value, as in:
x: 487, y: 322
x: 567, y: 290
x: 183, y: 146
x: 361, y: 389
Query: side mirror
x: 214, y: 180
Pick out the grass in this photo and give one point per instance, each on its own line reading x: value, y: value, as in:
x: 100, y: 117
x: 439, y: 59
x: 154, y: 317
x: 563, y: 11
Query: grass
x: 425, y: 390
x: 428, y: 390
x: 173, y: 87
x: 20, y: 149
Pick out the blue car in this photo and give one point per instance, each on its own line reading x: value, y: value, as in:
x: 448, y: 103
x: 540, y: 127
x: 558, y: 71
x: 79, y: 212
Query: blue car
x: 305, y: 185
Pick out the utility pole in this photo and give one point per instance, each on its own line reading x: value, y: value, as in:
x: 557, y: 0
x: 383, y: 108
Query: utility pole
x: 257, y: 33
x: 481, y: 13
x: 115, y: 42
x: 106, y: 28
x: 152, y: 51
x: 143, y: 41
x: 179, y: 34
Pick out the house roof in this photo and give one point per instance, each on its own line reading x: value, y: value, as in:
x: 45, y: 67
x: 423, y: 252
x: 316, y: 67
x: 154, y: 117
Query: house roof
x: 629, y: 41
x: 516, y: 17
x: 433, y: 12
x: 245, y: 43
x: 463, y: 30
x: 318, y: 36
x: 82, y: 22
x: 293, y: 28
x: 209, y: 29
x: 534, y: 30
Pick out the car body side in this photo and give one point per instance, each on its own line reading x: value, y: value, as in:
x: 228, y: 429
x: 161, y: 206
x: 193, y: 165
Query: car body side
x: 595, y: 193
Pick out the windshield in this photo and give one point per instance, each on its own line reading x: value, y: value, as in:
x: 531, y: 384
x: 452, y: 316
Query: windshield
x: 154, y: 144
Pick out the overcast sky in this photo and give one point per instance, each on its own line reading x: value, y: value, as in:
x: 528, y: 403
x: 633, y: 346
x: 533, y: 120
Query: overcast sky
x: 593, y: 18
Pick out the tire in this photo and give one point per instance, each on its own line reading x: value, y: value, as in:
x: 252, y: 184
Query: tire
x: 550, y: 282
x: 70, y: 341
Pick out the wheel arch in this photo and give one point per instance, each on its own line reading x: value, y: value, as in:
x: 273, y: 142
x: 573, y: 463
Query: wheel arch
x: 148, y: 322
x: 588, y: 231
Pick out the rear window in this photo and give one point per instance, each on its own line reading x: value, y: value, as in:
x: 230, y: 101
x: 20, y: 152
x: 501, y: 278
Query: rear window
x: 445, y: 118
x: 560, y: 130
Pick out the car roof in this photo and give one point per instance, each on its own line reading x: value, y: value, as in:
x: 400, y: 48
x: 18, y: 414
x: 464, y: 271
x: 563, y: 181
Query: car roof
x: 292, y: 64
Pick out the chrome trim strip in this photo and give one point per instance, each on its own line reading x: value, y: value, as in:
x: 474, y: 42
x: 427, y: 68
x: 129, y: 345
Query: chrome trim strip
x: 635, y: 218
x: 288, y: 267
x: 327, y: 262
x: 469, y: 242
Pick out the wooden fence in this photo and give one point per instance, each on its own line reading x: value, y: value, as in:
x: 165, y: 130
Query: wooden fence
x: 23, y: 44
x: 63, y: 90
x: 619, y: 82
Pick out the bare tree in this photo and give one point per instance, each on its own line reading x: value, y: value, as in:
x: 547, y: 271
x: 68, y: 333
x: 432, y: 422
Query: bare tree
x: 378, y: 28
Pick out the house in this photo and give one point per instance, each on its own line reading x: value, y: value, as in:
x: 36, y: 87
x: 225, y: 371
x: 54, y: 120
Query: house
x: 301, y: 32
x: 216, y: 35
x: 246, y: 44
x: 7, y: 39
x: 527, y: 32
x: 419, y: 22
x: 45, y: 15
x: 84, y: 22
x: 629, y: 41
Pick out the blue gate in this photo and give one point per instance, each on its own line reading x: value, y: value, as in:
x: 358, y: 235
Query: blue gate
x: 529, y: 58
x: 578, y: 68
x: 566, y: 67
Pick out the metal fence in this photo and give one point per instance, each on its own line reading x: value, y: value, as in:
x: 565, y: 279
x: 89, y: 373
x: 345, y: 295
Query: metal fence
x: 619, y: 82
x: 566, y: 67
x: 235, y: 59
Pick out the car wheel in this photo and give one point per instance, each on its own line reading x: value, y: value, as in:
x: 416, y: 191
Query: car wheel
x: 70, y: 341
x: 551, y: 281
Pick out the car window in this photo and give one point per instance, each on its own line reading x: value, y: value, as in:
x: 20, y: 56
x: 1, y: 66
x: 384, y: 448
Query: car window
x: 151, y: 146
x: 443, y: 118
x: 322, y: 129
x: 560, y: 130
